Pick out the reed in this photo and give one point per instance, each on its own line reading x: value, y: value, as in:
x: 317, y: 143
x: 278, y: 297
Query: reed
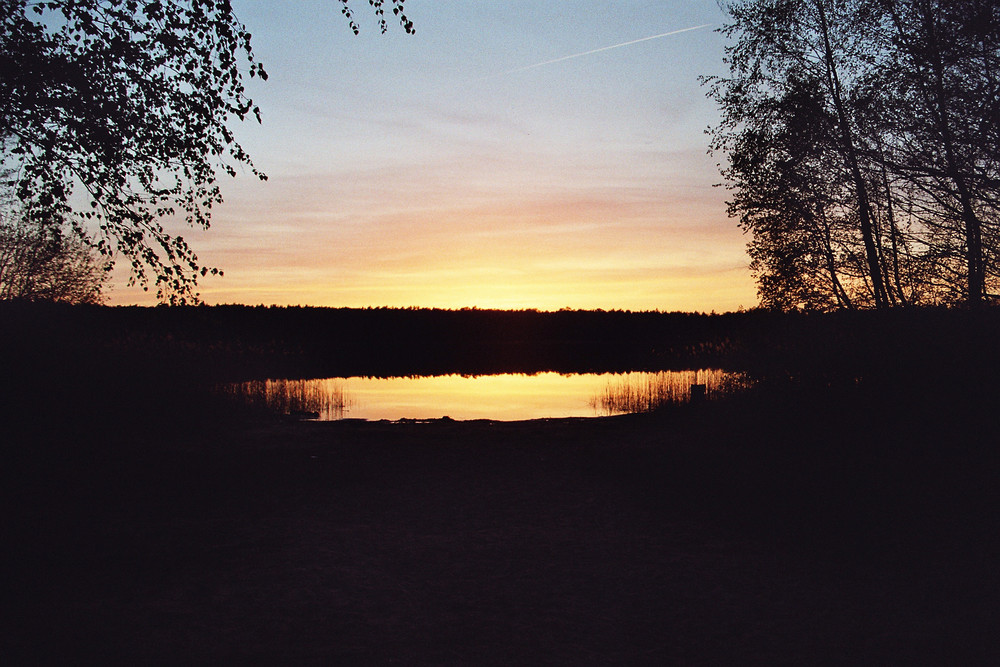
x: 290, y: 397
x: 647, y: 392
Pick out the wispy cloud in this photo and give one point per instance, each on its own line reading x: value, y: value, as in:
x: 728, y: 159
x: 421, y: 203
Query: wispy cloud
x: 592, y: 51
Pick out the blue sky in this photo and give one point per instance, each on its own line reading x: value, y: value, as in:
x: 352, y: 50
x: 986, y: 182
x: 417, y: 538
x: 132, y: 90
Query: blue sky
x: 433, y: 170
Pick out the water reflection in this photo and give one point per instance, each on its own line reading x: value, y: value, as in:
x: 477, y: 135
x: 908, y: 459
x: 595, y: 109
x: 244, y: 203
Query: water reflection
x: 316, y: 399
x: 499, y: 397
x: 646, y: 392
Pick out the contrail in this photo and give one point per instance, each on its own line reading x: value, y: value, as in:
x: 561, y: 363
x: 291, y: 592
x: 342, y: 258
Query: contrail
x: 603, y: 48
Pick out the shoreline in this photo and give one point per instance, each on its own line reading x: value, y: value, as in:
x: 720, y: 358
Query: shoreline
x: 817, y: 520
x: 633, y: 539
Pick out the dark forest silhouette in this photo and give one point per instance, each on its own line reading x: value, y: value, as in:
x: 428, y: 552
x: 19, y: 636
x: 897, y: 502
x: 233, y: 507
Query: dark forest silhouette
x: 70, y: 355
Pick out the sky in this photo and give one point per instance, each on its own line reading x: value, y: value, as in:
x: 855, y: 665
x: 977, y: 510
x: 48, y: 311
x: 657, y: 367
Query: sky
x: 477, y: 164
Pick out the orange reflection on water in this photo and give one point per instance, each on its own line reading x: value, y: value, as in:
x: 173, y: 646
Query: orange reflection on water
x: 499, y: 397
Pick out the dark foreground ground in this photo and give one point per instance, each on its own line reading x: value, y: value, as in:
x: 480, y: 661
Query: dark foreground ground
x: 786, y: 530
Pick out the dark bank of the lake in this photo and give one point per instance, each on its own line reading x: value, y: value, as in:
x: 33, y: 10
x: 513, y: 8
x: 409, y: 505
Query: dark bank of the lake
x: 761, y: 530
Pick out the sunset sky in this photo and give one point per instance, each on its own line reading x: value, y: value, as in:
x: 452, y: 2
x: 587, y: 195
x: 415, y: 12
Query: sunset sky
x: 462, y: 167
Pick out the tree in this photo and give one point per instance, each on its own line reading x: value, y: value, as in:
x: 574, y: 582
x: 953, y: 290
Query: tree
x: 791, y: 134
x: 945, y: 57
x: 42, y: 262
x: 863, y: 149
x: 115, y: 115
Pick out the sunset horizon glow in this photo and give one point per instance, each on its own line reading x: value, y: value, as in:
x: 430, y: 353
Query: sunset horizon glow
x: 524, y: 156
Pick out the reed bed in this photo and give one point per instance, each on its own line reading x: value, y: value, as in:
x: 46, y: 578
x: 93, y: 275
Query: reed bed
x: 291, y: 397
x: 647, y: 392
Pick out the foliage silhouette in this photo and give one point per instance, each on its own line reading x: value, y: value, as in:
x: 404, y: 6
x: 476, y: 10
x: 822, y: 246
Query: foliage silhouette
x: 116, y: 116
x: 860, y: 151
x: 45, y: 262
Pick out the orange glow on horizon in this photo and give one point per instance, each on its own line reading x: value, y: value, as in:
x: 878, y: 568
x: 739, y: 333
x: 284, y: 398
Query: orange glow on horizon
x: 587, y: 252
x: 412, y: 174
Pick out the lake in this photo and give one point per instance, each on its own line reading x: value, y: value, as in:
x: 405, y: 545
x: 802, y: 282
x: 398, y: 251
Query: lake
x: 504, y: 397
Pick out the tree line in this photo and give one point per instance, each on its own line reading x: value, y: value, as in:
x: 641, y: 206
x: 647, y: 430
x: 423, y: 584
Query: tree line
x: 861, y: 149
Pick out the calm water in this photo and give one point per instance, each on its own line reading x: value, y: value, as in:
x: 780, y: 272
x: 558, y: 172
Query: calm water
x: 500, y: 397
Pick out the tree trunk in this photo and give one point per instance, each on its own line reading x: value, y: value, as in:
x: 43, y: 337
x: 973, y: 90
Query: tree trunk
x: 851, y: 157
x: 970, y: 221
x: 894, y: 240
